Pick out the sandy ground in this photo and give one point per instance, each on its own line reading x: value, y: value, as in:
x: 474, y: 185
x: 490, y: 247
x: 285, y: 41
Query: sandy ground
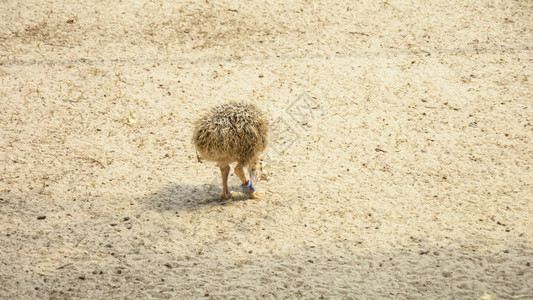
x: 401, y: 157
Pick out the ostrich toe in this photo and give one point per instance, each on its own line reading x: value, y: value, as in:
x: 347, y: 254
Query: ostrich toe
x: 256, y: 195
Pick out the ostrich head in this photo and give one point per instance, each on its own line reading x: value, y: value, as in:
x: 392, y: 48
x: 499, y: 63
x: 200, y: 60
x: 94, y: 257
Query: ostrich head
x: 258, y: 170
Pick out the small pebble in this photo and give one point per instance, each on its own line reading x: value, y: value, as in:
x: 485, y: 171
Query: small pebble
x: 528, y: 264
x: 41, y: 217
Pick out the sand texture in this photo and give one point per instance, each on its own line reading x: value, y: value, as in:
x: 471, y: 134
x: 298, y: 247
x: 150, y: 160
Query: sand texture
x: 401, y: 156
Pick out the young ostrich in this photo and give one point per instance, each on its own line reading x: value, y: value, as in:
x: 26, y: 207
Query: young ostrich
x: 233, y: 132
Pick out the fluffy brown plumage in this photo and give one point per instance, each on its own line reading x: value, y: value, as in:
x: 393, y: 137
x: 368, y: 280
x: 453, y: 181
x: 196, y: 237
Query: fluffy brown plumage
x: 231, y: 132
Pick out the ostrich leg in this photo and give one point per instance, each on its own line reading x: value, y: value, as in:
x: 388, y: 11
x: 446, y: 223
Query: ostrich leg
x: 239, y: 171
x: 225, y: 172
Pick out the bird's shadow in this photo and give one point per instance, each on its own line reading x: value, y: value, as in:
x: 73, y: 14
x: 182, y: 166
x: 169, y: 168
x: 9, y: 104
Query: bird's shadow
x: 186, y: 197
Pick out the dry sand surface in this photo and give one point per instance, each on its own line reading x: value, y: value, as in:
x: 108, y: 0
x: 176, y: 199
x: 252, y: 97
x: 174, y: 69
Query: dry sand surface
x: 401, y: 155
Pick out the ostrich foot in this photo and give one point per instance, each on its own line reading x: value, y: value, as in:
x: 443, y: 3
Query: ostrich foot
x: 256, y: 195
x: 226, y: 195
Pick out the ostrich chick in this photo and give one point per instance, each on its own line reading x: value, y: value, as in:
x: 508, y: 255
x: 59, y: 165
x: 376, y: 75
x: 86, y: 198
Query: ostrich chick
x: 233, y: 132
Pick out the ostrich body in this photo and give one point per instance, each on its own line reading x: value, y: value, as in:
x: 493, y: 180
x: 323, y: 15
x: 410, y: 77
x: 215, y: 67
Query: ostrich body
x: 233, y: 132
